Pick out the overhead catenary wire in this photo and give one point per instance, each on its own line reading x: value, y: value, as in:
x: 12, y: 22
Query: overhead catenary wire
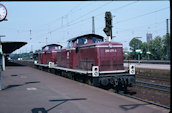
x: 135, y: 17
x: 74, y: 22
x: 76, y: 8
x: 141, y: 27
x: 50, y: 23
x: 63, y: 26
x: 118, y: 8
x: 122, y: 20
x: 68, y: 13
x: 85, y: 19
x: 91, y: 11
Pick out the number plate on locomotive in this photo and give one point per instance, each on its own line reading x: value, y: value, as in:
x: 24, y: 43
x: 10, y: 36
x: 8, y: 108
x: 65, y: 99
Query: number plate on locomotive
x: 110, y: 50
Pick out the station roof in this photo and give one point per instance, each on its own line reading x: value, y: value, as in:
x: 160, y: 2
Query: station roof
x: 9, y: 47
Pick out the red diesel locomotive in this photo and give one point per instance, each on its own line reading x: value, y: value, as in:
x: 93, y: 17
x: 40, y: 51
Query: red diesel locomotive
x: 48, y: 53
x: 90, y: 59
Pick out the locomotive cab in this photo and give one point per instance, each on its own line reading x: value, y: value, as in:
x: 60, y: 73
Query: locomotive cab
x: 92, y: 51
x: 48, y: 53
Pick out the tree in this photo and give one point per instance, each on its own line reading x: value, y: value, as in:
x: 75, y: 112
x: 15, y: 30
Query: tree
x: 37, y: 51
x: 166, y: 47
x: 145, y: 49
x: 156, y: 48
x: 134, y: 44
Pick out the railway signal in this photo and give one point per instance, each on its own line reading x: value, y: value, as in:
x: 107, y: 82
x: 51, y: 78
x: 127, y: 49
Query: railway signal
x: 108, y: 22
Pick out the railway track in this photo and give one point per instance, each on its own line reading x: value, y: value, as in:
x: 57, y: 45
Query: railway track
x: 154, y: 86
x: 144, y: 100
x: 150, y: 85
x: 153, y: 78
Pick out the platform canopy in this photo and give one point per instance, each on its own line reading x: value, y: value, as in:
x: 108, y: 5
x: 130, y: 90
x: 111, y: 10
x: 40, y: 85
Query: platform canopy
x: 9, y: 47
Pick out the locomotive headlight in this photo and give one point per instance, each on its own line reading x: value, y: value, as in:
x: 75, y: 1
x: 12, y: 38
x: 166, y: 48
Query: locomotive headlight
x: 51, y: 64
x: 95, y: 71
x: 132, y: 69
x: 35, y: 62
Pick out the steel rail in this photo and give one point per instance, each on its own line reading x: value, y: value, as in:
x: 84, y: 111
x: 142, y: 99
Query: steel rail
x: 143, y: 100
x: 154, y: 86
x: 152, y: 78
x: 160, y: 89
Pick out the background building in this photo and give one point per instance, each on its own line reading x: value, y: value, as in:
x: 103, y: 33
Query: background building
x: 148, y: 37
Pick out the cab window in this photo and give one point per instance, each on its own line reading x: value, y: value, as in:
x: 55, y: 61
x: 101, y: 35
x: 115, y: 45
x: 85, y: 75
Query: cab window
x: 70, y: 44
x: 56, y: 47
x: 82, y: 41
x: 96, y: 40
x: 46, y: 48
x: 50, y: 47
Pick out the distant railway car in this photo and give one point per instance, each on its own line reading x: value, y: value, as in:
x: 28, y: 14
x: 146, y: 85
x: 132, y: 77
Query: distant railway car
x: 93, y: 61
x: 48, y: 53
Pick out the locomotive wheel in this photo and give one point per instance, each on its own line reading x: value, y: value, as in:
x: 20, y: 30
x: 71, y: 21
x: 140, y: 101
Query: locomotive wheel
x: 52, y: 71
x: 48, y: 70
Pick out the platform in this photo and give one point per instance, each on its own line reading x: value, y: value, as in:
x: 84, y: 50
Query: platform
x: 28, y: 90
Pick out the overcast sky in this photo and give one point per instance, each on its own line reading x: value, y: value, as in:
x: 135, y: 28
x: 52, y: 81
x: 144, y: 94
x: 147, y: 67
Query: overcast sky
x: 38, y: 23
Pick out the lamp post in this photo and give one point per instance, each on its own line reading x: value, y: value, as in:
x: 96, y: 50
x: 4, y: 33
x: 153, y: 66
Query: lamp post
x: 3, y: 15
x: 1, y: 62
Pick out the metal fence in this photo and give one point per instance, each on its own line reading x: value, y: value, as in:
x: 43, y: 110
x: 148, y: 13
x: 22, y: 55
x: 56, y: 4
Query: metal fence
x: 149, y: 61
